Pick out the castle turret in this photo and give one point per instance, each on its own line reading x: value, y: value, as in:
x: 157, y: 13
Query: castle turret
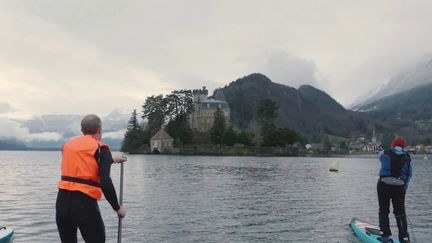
x: 200, y: 95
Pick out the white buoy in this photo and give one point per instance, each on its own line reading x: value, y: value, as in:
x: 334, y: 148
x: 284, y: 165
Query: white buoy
x: 334, y: 166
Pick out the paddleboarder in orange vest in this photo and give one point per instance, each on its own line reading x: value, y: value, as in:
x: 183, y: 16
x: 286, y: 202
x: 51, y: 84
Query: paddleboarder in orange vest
x: 85, y: 175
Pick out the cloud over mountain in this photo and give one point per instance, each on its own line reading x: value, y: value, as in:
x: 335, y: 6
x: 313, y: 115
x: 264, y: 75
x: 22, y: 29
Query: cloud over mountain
x: 418, y: 75
x: 281, y: 67
x: 53, y: 129
x: 14, y: 130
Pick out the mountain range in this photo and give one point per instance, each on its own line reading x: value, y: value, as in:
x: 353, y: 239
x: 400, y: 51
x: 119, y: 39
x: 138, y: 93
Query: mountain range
x: 418, y: 75
x: 402, y: 106
x: 404, y: 103
x: 409, y: 113
x: 307, y: 110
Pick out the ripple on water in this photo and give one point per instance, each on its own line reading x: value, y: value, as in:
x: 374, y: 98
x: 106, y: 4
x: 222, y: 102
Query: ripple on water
x: 215, y: 199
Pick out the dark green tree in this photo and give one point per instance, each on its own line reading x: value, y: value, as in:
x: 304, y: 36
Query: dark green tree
x: 154, y: 111
x: 229, y: 137
x: 179, y: 129
x: 281, y: 137
x: 172, y: 111
x: 267, y: 112
x: 290, y: 136
x: 179, y: 103
x: 134, y: 136
x: 244, y: 138
x: 218, y: 128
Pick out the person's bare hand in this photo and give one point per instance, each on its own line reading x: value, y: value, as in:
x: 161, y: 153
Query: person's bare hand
x: 119, y: 158
x: 121, y: 213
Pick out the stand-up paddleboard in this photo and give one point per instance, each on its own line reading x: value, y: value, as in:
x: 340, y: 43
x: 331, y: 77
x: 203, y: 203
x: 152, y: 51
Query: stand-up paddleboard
x: 6, y: 235
x: 367, y: 233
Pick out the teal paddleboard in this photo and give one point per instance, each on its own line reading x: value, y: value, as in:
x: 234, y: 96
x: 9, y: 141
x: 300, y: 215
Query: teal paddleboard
x: 366, y: 232
x: 6, y: 235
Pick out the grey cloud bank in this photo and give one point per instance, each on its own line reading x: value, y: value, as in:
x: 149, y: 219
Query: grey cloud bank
x: 78, y: 57
x: 6, y: 107
x: 283, y: 68
x: 50, y: 131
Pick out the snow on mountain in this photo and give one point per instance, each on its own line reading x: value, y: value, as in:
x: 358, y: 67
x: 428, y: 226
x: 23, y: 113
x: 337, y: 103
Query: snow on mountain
x: 420, y: 74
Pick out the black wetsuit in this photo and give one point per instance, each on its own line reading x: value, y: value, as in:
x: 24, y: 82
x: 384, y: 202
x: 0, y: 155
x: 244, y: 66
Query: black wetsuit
x: 396, y: 166
x: 75, y: 210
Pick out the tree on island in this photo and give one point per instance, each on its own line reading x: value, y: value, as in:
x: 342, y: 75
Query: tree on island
x: 273, y: 136
x: 154, y: 110
x: 244, y: 138
x: 267, y: 112
x: 134, y: 136
x: 281, y: 137
x: 179, y: 104
x: 179, y: 129
x: 170, y: 112
x: 218, y: 128
x: 229, y: 136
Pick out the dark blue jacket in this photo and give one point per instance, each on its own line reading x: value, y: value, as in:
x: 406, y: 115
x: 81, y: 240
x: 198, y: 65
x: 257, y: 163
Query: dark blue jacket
x: 405, y: 172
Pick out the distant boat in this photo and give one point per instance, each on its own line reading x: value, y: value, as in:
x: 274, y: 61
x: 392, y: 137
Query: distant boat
x: 334, y: 166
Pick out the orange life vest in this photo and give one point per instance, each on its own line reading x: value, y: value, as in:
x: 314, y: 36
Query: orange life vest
x: 79, y: 168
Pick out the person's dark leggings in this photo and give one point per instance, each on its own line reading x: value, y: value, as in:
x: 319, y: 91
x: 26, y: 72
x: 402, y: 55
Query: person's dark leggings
x: 75, y: 210
x: 397, y: 195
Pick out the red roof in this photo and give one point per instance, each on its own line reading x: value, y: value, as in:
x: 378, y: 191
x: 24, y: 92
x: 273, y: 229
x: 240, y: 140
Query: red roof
x: 160, y: 135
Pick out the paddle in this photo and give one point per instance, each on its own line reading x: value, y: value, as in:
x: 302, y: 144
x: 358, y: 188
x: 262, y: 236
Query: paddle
x: 119, y: 232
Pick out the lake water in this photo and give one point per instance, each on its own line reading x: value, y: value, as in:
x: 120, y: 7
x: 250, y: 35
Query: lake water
x: 216, y: 199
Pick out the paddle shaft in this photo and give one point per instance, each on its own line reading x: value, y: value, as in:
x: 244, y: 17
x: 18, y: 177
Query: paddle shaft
x: 119, y: 232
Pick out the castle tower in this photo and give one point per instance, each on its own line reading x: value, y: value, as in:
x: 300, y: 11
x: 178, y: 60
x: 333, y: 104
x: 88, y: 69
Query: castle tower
x: 200, y: 95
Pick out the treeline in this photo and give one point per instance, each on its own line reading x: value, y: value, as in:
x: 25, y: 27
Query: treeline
x: 159, y: 111
x: 171, y: 113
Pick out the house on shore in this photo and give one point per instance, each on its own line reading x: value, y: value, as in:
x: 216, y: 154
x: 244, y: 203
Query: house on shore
x: 161, y: 141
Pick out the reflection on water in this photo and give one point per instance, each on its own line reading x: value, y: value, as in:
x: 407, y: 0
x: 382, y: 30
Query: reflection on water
x: 216, y: 199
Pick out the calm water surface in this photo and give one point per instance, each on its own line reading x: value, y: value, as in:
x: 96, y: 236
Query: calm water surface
x: 216, y: 199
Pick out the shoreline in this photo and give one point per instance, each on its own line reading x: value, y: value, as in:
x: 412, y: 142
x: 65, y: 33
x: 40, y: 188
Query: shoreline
x: 239, y: 154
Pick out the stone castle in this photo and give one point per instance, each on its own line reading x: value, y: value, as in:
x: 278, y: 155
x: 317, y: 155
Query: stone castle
x: 201, y: 120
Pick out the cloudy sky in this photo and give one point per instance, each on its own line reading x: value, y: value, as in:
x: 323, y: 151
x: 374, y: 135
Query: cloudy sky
x: 77, y: 57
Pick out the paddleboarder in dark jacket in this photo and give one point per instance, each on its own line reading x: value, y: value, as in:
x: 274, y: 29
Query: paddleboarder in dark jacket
x: 394, y: 174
